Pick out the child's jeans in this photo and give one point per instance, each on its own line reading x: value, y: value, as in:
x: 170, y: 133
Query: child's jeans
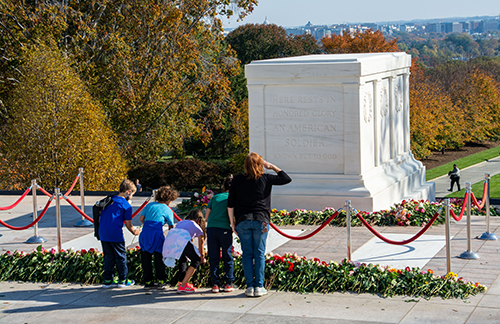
x: 114, y: 253
x: 220, y: 238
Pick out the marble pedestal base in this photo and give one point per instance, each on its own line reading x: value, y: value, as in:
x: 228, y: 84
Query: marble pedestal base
x: 379, y: 189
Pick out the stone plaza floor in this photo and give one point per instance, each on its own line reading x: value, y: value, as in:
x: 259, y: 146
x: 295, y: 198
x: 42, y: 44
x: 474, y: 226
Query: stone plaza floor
x: 54, y: 302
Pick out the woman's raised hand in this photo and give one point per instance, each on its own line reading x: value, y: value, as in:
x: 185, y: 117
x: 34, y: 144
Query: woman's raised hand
x: 268, y: 165
x: 271, y: 166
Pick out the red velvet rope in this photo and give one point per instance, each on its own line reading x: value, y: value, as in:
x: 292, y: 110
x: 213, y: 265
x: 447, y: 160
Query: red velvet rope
x: 44, y: 191
x: 141, y: 207
x: 72, y: 186
x: 459, y: 218
x: 32, y: 223
x: 18, y: 201
x: 436, y: 215
x: 67, y: 192
x: 308, y: 235
x: 175, y: 215
x: 78, y: 210
x: 483, y: 202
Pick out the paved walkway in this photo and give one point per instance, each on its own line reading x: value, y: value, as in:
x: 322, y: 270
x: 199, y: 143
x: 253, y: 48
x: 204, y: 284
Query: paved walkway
x: 470, y: 174
x: 52, y: 303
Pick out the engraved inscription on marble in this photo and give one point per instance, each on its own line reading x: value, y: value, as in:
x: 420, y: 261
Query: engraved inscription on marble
x: 302, y: 156
x: 305, y: 126
x: 302, y: 99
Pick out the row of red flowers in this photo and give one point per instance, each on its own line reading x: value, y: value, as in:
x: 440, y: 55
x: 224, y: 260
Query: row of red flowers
x: 288, y: 272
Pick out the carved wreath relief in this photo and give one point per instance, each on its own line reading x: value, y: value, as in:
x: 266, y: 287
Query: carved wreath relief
x: 384, y: 102
x: 398, y: 93
x: 367, y: 107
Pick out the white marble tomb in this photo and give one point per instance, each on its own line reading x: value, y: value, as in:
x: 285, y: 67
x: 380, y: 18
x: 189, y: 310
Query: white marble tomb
x: 339, y: 125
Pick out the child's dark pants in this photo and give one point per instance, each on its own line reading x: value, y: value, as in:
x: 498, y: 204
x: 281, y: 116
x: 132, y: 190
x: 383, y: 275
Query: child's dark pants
x: 188, y: 253
x: 147, y: 266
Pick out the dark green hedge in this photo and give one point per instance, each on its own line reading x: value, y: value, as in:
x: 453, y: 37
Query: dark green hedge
x: 184, y: 175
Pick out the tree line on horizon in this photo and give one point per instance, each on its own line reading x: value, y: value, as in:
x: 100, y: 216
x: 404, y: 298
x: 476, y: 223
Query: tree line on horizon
x: 434, y: 49
x: 108, y: 85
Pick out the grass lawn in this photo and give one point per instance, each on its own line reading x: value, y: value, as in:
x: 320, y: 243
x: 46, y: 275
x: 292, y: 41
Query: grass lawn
x: 477, y: 189
x: 169, y: 158
x: 463, y: 163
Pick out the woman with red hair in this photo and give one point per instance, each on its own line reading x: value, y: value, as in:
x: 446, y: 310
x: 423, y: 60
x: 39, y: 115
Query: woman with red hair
x: 249, y: 202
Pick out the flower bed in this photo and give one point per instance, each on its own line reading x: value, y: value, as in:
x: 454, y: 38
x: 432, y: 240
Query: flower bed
x: 288, y: 272
x: 407, y: 213
x: 197, y: 200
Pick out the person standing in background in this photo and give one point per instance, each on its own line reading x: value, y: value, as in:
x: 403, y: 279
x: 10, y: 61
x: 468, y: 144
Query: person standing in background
x: 455, y: 177
x: 138, y: 185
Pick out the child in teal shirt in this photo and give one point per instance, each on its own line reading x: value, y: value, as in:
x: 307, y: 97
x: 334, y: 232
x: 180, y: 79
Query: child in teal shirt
x: 220, y: 236
x: 154, y: 217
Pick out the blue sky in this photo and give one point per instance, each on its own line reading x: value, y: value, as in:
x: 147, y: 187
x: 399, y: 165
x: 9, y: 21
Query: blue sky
x: 288, y: 13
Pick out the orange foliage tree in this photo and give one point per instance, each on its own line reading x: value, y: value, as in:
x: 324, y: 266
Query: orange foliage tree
x: 368, y: 41
x: 451, y: 104
x: 476, y: 97
x: 433, y: 121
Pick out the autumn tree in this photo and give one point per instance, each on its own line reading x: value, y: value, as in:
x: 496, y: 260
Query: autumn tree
x: 475, y: 94
x: 434, y: 123
x: 55, y: 127
x: 153, y: 65
x: 368, y: 41
x: 259, y: 41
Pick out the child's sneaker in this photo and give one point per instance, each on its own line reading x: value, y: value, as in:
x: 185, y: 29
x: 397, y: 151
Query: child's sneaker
x: 109, y: 284
x: 215, y: 289
x: 150, y: 285
x: 228, y: 288
x: 125, y: 283
x: 161, y: 285
x: 188, y: 288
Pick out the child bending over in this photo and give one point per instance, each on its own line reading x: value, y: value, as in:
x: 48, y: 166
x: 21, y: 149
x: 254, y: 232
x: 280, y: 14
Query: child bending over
x: 178, y: 245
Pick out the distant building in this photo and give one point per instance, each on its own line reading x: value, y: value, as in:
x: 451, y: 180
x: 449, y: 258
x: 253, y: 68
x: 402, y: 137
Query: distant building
x: 370, y: 25
x: 435, y: 28
x: 476, y: 27
x: 453, y: 27
x: 296, y: 31
x: 466, y: 26
x: 492, y: 25
x: 407, y: 28
x: 470, y: 27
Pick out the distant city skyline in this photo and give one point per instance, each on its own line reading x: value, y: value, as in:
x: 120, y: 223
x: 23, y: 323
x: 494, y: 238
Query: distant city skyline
x: 290, y: 13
